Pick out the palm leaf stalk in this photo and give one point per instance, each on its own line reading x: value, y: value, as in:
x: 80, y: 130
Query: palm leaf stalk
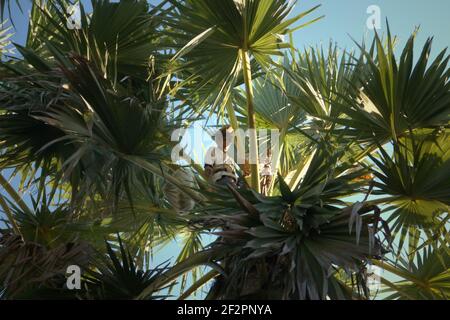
x: 13, y: 193
x: 251, y: 121
x: 9, y: 215
x: 15, y: 197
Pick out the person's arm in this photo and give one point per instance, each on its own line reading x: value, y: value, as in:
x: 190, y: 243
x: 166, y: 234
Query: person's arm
x: 209, y: 162
x: 208, y: 170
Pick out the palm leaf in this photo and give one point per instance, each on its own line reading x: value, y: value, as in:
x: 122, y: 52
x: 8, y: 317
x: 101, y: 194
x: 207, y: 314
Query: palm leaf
x: 417, y: 175
x: 250, y: 25
x: 426, y: 278
x: 397, y: 93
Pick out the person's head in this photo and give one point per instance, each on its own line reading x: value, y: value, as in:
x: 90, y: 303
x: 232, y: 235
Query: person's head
x: 224, y: 137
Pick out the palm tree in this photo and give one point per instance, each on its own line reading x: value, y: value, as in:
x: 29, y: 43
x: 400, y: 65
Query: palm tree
x: 86, y: 117
x: 222, y: 50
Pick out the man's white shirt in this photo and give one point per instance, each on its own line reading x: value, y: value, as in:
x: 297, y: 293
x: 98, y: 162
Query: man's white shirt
x: 215, y: 156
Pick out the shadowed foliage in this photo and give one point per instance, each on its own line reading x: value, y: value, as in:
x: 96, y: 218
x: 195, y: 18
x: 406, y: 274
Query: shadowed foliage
x: 86, y: 122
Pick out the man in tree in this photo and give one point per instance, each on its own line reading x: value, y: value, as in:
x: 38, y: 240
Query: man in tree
x: 220, y: 168
x: 266, y: 172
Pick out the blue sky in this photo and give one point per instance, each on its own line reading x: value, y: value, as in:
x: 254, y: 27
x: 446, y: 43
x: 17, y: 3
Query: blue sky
x: 343, y: 20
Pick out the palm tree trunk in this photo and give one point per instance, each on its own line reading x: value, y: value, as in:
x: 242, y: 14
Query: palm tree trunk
x: 251, y: 121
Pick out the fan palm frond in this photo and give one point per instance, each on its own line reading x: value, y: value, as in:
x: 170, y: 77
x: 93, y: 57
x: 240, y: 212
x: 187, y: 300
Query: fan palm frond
x: 417, y: 176
x: 397, y: 93
x: 118, y: 277
x: 425, y: 278
x: 5, y: 39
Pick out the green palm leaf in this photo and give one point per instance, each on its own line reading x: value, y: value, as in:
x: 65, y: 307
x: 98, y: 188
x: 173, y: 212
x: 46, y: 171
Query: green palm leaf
x: 5, y: 36
x: 256, y: 26
x: 426, y: 278
x: 119, y: 278
x: 417, y: 175
x: 397, y: 93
